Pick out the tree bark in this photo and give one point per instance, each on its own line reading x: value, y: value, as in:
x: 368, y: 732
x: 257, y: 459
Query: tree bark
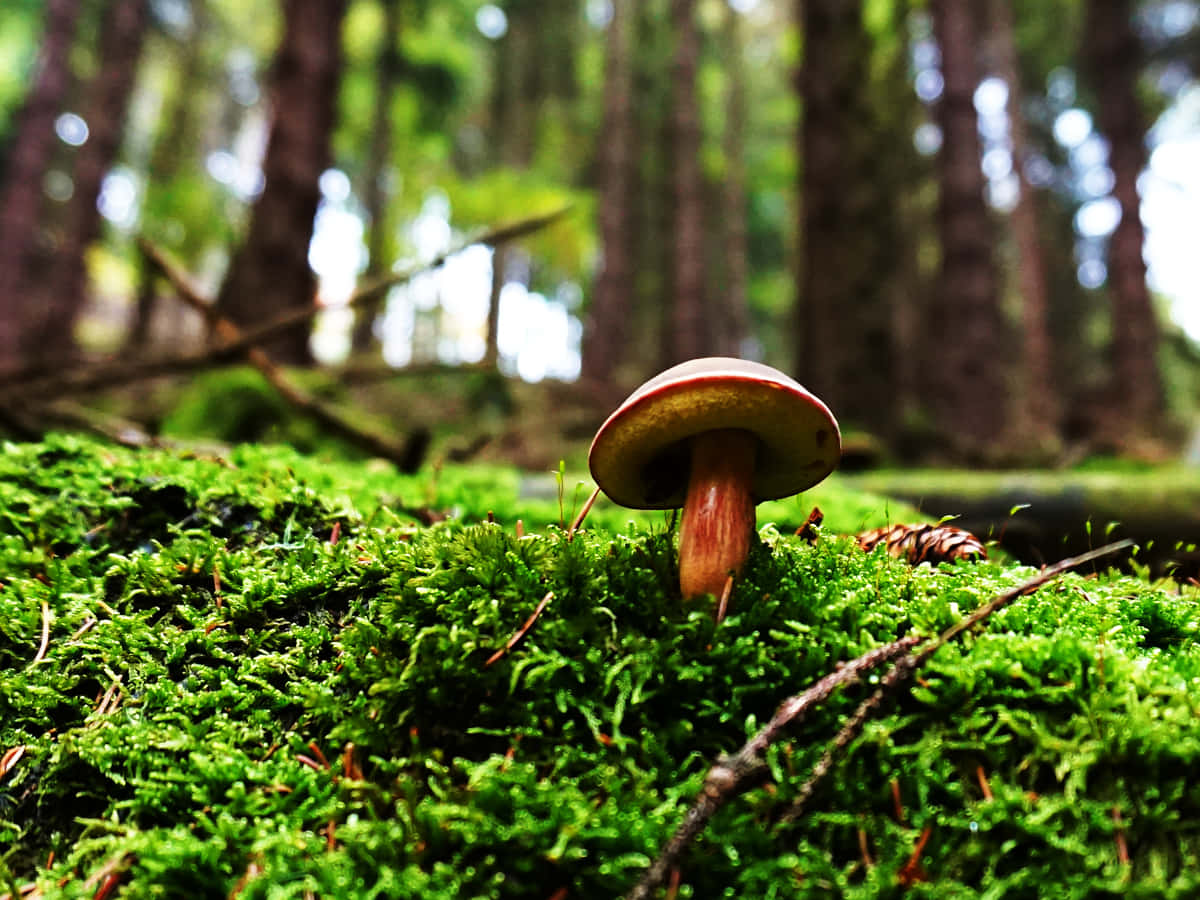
x: 62, y: 295
x: 966, y: 355
x: 689, y: 333
x: 25, y: 169
x: 176, y: 139
x: 844, y: 336
x: 734, y: 310
x: 375, y: 195
x: 1040, y: 402
x: 269, y: 273
x: 1112, y: 61
x: 607, y: 333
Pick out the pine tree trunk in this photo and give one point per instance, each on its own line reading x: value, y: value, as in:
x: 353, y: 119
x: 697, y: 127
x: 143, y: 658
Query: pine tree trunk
x: 1040, y: 401
x: 844, y: 337
x: 689, y: 334
x: 966, y: 359
x: 177, y: 136
x: 61, y: 296
x: 514, y: 119
x: 270, y: 274
x: 604, y: 341
x: 1112, y: 61
x: 24, y: 173
x: 375, y: 195
x: 734, y: 332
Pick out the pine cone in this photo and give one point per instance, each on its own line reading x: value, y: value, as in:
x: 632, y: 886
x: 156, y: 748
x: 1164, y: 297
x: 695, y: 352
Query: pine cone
x: 924, y: 543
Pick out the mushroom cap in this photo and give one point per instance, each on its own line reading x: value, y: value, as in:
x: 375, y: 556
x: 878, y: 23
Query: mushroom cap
x: 640, y: 457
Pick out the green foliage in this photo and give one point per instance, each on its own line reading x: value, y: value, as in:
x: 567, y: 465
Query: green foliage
x: 249, y: 686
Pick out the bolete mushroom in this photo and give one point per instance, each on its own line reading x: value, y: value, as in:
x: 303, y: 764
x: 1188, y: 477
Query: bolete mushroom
x: 715, y: 436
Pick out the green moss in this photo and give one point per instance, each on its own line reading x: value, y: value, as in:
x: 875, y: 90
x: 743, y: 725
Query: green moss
x: 263, y: 676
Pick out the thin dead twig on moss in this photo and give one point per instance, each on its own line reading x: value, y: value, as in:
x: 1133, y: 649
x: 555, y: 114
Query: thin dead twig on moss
x: 904, y: 668
x: 520, y: 633
x: 300, y: 399
x: 41, y: 654
x: 732, y: 775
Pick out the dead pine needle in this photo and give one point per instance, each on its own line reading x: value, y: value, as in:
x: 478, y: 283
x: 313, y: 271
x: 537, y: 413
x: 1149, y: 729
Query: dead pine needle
x: 911, y: 872
x: 897, y: 802
x: 520, y: 633
x: 984, y: 787
x: 41, y: 654
x: 864, y: 848
x: 723, y: 603
x: 10, y: 758
x: 1119, y: 837
x: 578, y: 521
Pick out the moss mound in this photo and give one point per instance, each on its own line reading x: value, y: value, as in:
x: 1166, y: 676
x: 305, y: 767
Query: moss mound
x: 261, y: 677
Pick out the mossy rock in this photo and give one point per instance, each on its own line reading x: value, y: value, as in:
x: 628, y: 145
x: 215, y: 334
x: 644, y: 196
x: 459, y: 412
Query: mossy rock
x: 261, y: 677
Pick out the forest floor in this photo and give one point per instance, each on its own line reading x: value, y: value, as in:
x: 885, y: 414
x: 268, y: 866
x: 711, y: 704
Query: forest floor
x: 264, y: 674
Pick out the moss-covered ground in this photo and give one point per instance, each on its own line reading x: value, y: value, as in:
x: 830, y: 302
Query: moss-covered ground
x: 266, y: 676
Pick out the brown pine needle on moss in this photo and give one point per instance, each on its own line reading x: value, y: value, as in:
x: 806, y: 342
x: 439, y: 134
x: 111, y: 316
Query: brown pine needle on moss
x: 984, y: 787
x: 731, y: 775
x: 520, y: 633
x: 10, y: 758
x: 587, y: 506
x: 41, y: 654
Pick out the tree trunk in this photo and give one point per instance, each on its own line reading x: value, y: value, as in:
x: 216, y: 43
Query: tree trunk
x: 734, y: 311
x: 514, y: 121
x: 375, y: 194
x: 966, y: 361
x: 689, y: 333
x: 176, y: 139
x: 1112, y: 62
x: 844, y: 320
x: 1040, y: 399
x: 270, y: 274
x: 24, y: 174
x: 61, y: 296
x: 607, y: 334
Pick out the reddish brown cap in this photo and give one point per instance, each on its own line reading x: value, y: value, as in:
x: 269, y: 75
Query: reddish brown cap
x: 640, y: 458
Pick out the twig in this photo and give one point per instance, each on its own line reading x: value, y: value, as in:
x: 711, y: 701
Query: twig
x: 520, y: 633
x: 10, y: 758
x: 314, y: 408
x: 907, y: 665
x: 731, y: 775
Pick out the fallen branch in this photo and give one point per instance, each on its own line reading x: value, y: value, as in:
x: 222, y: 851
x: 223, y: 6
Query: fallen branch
x: 302, y: 400
x: 730, y: 776
x: 36, y: 382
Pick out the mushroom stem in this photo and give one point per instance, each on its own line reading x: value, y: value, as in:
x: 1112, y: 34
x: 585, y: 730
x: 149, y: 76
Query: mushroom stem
x: 718, y: 515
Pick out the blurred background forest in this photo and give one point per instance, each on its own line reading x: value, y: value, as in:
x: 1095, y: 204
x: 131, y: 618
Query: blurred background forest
x: 972, y: 228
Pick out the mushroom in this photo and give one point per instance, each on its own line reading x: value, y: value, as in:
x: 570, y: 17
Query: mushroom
x: 716, y: 436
